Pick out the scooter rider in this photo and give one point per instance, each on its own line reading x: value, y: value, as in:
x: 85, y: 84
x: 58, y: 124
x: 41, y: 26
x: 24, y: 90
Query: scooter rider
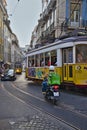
x: 52, y: 79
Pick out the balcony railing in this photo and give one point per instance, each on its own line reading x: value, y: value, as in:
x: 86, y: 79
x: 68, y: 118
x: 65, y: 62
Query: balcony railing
x: 79, y: 24
x: 48, y: 30
x: 46, y: 12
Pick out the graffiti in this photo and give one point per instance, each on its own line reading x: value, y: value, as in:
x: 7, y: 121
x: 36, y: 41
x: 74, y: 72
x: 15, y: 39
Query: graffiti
x: 32, y: 72
x: 39, y: 73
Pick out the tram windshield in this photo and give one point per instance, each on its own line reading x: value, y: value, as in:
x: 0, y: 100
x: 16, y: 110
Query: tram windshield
x: 81, y: 54
x: 18, y: 65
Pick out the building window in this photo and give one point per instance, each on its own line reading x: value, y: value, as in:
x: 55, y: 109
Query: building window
x: 75, y: 9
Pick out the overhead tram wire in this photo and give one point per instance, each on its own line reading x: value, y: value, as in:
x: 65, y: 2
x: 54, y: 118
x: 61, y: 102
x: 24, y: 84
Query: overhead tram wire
x: 14, y: 8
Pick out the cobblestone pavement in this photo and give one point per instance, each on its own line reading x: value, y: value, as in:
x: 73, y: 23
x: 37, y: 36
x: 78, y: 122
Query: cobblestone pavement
x: 37, y: 122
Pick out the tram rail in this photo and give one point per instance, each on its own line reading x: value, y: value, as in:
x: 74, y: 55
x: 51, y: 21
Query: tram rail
x: 37, y: 108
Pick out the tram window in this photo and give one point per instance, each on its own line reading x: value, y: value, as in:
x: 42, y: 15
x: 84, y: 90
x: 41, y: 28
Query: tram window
x: 18, y: 65
x: 29, y: 62
x: 68, y: 55
x: 81, y: 53
x: 32, y: 61
x: 47, y: 59
x: 53, y: 57
x: 37, y: 60
x: 70, y: 71
x: 64, y: 56
x: 42, y: 60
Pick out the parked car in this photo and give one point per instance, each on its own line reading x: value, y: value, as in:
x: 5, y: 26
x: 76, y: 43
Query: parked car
x: 8, y: 75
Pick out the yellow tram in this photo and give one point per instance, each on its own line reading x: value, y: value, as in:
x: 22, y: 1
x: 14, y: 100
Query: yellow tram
x: 69, y: 56
x: 18, y: 68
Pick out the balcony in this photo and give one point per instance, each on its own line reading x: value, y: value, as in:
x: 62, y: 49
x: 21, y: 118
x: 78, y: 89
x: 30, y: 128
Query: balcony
x: 51, y: 5
x: 49, y: 30
x: 45, y: 14
x: 48, y: 35
x: 74, y: 25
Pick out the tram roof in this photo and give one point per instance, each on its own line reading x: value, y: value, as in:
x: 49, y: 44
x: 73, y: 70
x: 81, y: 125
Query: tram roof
x: 75, y: 39
x: 66, y: 40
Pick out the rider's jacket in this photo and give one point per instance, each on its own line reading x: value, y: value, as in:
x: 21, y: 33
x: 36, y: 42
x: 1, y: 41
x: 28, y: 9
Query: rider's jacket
x: 53, y: 79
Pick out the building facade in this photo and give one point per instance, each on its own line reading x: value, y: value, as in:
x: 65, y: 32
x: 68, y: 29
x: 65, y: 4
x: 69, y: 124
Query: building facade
x: 76, y: 16
x: 7, y: 42
x: 16, y: 53
x: 10, y: 51
x: 3, y: 13
x: 59, y: 19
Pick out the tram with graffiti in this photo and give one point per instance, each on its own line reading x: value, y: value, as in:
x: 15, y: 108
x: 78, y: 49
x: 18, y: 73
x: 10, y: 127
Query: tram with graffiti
x: 69, y: 56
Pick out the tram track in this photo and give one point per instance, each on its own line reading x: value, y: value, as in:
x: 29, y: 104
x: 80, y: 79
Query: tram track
x: 37, y: 108
x: 60, y: 105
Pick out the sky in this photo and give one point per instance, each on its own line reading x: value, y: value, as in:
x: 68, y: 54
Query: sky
x: 23, y: 16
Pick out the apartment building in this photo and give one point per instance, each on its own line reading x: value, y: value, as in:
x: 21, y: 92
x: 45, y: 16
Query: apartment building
x: 10, y: 51
x: 59, y: 19
x: 3, y: 12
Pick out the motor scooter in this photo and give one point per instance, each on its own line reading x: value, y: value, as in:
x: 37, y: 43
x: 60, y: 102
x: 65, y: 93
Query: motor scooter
x: 52, y: 93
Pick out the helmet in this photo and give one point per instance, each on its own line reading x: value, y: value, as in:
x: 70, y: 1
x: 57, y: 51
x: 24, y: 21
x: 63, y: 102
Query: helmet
x: 51, y: 67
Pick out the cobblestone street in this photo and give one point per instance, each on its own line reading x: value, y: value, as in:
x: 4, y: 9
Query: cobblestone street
x: 36, y: 122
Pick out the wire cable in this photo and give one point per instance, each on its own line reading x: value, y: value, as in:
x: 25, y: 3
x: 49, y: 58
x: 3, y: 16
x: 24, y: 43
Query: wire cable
x: 15, y: 8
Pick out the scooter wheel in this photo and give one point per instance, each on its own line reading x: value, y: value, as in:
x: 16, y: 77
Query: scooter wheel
x: 54, y: 101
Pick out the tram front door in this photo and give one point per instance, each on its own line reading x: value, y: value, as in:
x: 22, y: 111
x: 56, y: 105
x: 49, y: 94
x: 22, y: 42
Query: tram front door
x: 68, y: 72
x: 68, y: 64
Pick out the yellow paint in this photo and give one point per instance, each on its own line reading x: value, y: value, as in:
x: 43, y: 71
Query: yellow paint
x: 79, y: 73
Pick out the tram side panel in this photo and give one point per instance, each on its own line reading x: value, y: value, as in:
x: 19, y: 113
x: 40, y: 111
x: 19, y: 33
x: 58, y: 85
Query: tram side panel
x: 40, y: 72
x: 58, y: 70
x: 80, y: 75
x: 71, y: 74
x: 37, y: 73
x: 75, y: 75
